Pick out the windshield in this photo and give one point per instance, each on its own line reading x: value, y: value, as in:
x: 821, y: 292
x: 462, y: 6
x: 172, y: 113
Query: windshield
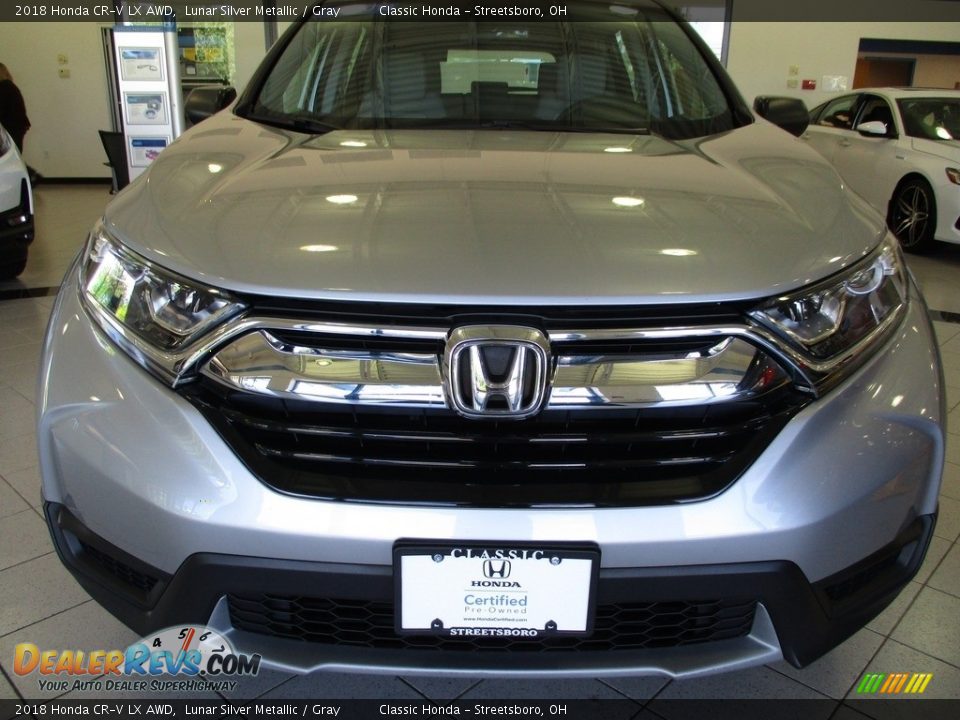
x: 622, y: 69
x: 931, y: 118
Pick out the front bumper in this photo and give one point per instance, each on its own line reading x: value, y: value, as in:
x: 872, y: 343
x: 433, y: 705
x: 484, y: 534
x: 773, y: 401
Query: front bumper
x: 822, y: 530
x: 16, y: 221
x: 270, y: 606
x: 947, y: 197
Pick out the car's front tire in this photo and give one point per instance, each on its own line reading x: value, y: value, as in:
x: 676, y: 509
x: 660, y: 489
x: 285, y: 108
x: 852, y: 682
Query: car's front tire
x: 913, y: 215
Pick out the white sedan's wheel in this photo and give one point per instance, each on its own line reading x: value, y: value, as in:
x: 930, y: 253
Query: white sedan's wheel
x: 913, y: 215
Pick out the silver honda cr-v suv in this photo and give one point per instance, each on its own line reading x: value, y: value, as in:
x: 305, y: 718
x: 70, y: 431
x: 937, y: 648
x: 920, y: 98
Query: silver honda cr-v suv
x: 510, y: 334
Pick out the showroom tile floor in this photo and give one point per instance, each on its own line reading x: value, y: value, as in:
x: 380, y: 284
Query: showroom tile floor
x: 41, y: 603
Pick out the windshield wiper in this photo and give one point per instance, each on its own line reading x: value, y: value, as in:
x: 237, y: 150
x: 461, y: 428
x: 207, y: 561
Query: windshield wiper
x: 300, y: 124
x: 319, y: 127
x: 533, y: 126
x: 548, y: 127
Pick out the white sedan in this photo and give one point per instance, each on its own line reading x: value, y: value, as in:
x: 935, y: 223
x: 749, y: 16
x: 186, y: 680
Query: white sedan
x: 16, y: 209
x: 900, y: 150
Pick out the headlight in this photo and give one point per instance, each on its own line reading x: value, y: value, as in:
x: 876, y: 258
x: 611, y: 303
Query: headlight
x: 827, y: 326
x: 155, y: 315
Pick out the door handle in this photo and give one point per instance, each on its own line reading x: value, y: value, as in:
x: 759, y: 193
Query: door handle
x: 844, y: 143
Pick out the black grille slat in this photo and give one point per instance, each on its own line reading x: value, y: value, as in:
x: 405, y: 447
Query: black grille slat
x: 360, y: 434
x: 486, y: 464
x: 370, y: 624
x: 605, y: 458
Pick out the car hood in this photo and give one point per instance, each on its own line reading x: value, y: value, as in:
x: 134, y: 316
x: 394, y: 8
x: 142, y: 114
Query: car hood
x: 493, y: 216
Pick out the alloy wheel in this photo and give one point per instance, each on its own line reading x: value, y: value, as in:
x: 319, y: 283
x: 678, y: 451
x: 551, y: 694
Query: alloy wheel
x: 913, y: 216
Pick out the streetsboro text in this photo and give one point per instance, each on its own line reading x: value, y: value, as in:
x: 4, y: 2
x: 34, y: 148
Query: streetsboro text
x: 510, y: 709
x: 453, y: 11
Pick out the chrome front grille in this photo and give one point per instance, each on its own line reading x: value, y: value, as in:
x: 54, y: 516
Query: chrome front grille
x: 639, y: 417
x: 315, y: 366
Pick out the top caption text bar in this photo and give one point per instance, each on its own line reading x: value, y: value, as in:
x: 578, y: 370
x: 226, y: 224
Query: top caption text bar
x: 486, y: 11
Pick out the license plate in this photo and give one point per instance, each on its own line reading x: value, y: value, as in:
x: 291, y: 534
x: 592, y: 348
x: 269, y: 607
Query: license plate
x: 509, y: 591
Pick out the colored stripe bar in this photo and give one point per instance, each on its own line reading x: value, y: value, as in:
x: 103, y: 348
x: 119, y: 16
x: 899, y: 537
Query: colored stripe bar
x: 875, y: 682
x: 865, y: 683
x: 914, y: 683
x: 891, y: 679
x: 894, y: 683
x: 903, y: 679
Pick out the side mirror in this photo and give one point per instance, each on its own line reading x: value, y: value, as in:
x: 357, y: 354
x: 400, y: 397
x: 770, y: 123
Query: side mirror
x: 785, y: 112
x: 205, y: 100
x: 873, y: 128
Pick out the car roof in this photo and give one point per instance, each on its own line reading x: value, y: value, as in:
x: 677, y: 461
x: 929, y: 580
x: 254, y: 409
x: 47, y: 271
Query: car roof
x: 904, y: 92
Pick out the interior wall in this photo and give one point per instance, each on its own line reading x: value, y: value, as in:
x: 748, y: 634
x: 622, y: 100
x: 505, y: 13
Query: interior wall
x: 939, y: 71
x: 930, y: 71
x: 65, y: 113
x: 761, y: 53
x: 876, y: 71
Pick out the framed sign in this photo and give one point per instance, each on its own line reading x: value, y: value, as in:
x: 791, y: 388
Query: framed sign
x: 141, y: 63
x: 146, y: 108
x: 143, y: 150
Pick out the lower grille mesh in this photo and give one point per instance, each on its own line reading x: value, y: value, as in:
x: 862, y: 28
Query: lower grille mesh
x: 119, y: 569
x: 370, y: 624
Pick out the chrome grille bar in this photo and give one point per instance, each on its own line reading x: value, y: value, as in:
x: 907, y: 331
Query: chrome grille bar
x: 728, y: 368
x: 263, y: 364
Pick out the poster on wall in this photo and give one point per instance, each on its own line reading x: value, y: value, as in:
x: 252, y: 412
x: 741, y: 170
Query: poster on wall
x: 146, y: 108
x: 144, y: 150
x: 141, y: 63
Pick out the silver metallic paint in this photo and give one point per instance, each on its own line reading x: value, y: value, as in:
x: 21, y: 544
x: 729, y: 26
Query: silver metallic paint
x: 141, y: 467
x: 755, y: 213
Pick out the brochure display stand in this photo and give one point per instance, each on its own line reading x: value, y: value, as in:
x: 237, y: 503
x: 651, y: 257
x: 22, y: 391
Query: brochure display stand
x: 149, y: 89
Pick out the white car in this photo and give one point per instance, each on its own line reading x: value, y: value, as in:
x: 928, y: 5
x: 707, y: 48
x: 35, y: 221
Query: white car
x: 900, y: 150
x: 16, y: 209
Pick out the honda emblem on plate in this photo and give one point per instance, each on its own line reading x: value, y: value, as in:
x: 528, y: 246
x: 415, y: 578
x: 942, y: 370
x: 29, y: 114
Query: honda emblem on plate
x: 496, y: 569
